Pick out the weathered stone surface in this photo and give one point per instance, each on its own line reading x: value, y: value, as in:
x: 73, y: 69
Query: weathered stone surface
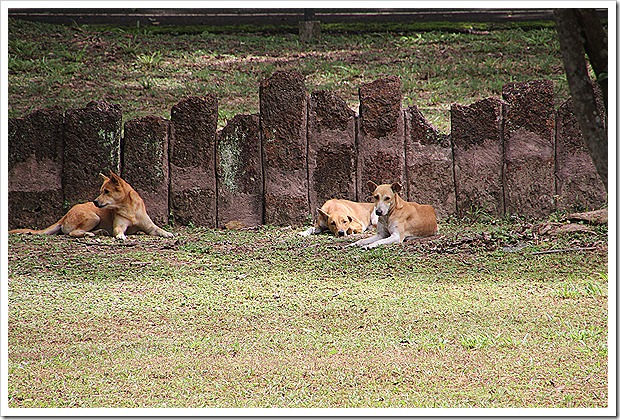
x: 92, y: 145
x: 578, y: 185
x: 381, y: 137
x: 283, y: 106
x: 35, y: 162
x: 380, y: 107
x: 305, y: 162
x: 331, y: 149
x: 145, y: 163
x: 239, y: 172
x: 476, y: 136
x: 429, y: 164
x: 192, y: 161
x: 529, y: 126
x: 35, y: 209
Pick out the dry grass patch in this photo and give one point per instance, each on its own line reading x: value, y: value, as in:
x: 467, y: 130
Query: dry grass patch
x: 265, y: 318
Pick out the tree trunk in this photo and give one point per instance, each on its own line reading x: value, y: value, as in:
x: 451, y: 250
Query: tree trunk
x: 590, y: 121
x: 595, y: 46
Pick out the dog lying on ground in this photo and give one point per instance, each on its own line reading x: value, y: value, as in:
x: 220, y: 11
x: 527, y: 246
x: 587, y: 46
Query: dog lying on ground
x: 118, y: 210
x: 343, y: 217
x: 398, y: 219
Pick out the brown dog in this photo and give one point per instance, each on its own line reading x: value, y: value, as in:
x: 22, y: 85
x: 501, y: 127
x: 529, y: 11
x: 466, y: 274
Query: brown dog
x: 343, y: 217
x: 398, y: 219
x: 119, y: 210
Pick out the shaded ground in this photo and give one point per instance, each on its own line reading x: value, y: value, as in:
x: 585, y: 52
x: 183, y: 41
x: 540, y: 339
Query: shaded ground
x: 461, y: 239
x: 541, y: 237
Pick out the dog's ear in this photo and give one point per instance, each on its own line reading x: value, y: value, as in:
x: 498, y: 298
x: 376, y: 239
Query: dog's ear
x: 103, y: 177
x: 114, y: 178
x: 350, y: 218
x: 371, y: 186
x: 396, y: 187
x: 323, y: 214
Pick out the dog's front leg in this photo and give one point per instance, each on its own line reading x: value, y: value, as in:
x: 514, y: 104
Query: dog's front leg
x: 119, y: 230
x: 155, y: 230
x: 311, y: 231
x: 393, y: 238
x: 365, y: 242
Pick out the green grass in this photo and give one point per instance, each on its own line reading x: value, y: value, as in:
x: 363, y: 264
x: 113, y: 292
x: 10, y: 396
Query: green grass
x: 148, y: 70
x: 266, y: 318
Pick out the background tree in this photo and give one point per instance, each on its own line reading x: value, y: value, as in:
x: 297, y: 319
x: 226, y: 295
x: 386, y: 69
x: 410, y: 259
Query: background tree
x: 581, y: 32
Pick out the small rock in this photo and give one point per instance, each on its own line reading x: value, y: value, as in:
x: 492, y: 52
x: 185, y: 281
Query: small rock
x: 235, y: 225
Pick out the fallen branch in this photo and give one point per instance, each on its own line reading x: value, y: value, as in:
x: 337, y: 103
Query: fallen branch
x: 554, y: 251
x: 139, y: 263
x: 596, y: 217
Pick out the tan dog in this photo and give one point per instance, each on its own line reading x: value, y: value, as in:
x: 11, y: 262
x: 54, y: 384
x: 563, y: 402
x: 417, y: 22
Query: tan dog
x: 343, y: 217
x: 398, y: 219
x: 119, y: 210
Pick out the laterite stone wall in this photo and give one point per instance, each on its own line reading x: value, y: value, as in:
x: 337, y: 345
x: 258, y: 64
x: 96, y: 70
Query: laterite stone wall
x: 239, y: 172
x: 332, y: 150
x: 145, y: 162
x: 529, y: 161
x: 576, y: 176
x: 92, y: 139
x: 192, y: 161
x: 381, y: 136
x: 36, y: 155
x: 476, y: 135
x: 516, y: 154
x: 283, y: 108
x: 429, y: 164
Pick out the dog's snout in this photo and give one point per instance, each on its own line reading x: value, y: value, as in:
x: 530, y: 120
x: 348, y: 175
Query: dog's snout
x: 97, y: 203
x: 379, y: 212
x: 341, y: 233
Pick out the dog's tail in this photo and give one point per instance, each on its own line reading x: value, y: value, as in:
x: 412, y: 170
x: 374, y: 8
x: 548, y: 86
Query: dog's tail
x: 51, y: 230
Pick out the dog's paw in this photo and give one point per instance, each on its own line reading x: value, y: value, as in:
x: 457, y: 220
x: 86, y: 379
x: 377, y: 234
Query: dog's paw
x: 121, y: 237
x: 307, y: 232
x: 167, y: 234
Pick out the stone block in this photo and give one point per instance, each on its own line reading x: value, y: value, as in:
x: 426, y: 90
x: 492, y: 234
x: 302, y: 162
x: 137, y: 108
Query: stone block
x: 476, y: 136
x: 239, y: 172
x: 429, y: 171
x: 192, y: 161
x: 331, y: 149
x: 92, y: 145
x: 283, y: 107
x: 579, y: 187
x: 529, y: 136
x: 35, y: 146
x: 381, y: 135
x: 145, y: 163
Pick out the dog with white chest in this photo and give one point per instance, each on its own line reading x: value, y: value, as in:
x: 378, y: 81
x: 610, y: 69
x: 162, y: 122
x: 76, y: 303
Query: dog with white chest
x: 398, y: 218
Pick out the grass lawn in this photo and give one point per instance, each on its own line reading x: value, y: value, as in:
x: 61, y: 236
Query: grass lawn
x: 148, y: 70
x: 266, y: 318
